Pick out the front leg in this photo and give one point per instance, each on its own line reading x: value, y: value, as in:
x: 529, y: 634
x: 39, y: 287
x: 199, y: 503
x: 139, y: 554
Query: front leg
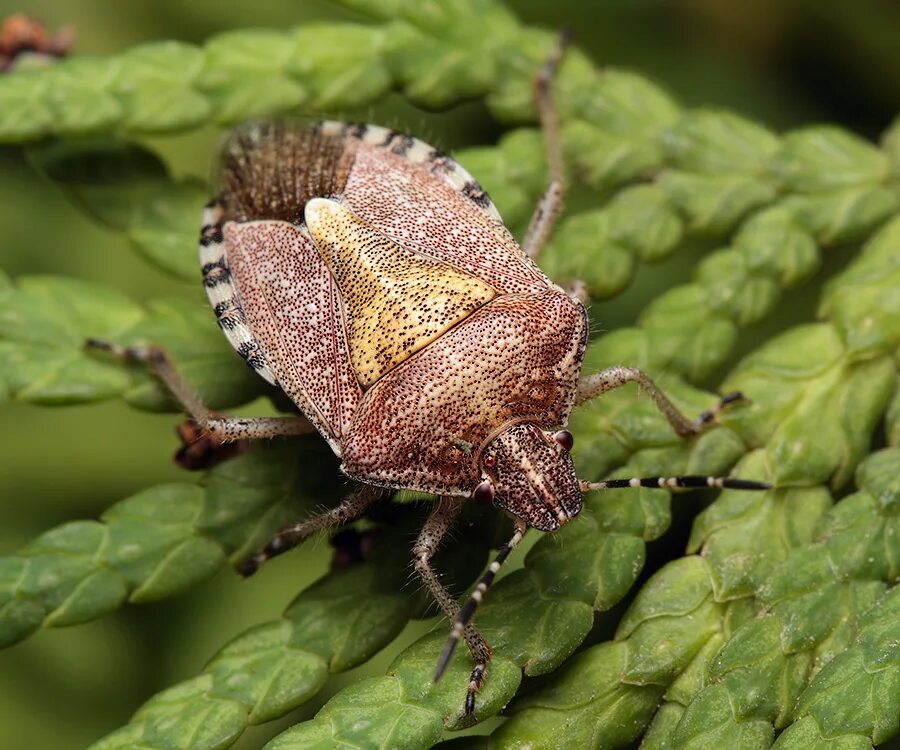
x: 464, y: 617
x: 435, y: 529
x: 613, y: 377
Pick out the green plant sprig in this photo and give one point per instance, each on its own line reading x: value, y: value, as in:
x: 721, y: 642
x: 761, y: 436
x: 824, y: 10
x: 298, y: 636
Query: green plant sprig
x: 169, y: 87
x: 661, y: 174
x: 155, y: 544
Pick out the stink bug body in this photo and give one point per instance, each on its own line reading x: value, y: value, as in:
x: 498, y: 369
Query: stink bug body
x: 370, y: 277
x: 398, y: 313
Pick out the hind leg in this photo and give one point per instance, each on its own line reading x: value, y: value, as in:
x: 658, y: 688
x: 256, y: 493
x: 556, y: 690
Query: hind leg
x: 350, y: 508
x: 551, y: 204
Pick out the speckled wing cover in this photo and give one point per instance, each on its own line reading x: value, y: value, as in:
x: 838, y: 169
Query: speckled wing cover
x: 371, y: 278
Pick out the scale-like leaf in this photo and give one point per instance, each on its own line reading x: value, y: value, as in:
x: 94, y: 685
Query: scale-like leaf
x: 157, y: 543
x: 45, y: 322
x: 778, y: 618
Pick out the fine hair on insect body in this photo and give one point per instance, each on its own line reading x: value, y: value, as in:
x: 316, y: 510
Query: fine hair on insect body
x: 369, y: 277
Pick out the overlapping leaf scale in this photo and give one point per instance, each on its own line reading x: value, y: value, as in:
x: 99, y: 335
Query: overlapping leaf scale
x: 338, y: 622
x: 664, y: 646
x: 45, y: 321
x: 155, y: 544
x: 714, y: 174
x: 854, y: 701
x: 165, y: 87
x: 777, y: 245
x: 812, y: 570
x: 674, y: 625
x: 128, y: 188
x: 892, y: 418
x: 705, y: 173
x: 166, y: 539
x: 811, y: 604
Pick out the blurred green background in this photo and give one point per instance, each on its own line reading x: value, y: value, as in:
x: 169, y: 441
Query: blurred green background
x: 784, y: 62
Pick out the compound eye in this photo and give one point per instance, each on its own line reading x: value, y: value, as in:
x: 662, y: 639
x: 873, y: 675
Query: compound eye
x: 565, y: 439
x: 484, y: 493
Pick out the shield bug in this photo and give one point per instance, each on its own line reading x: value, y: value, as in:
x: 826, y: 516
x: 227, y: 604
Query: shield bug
x: 370, y: 277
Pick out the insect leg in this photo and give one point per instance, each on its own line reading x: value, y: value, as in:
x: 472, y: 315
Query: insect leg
x: 436, y: 526
x: 351, y: 507
x: 467, y: 612
x: 674, y: 482
x: 551, y: 203
x: 577, y: 289
x: 606, y: 380
x: 223, y: 429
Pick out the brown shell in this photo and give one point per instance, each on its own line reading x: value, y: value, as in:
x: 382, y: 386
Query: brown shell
x: 399, y: 314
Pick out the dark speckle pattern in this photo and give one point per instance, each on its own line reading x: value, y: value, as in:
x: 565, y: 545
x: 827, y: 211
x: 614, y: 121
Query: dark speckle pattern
x: 399, y: 315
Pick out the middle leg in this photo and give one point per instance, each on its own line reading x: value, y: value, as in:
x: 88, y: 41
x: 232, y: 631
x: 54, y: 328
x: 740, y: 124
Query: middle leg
x: 613, y: 377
